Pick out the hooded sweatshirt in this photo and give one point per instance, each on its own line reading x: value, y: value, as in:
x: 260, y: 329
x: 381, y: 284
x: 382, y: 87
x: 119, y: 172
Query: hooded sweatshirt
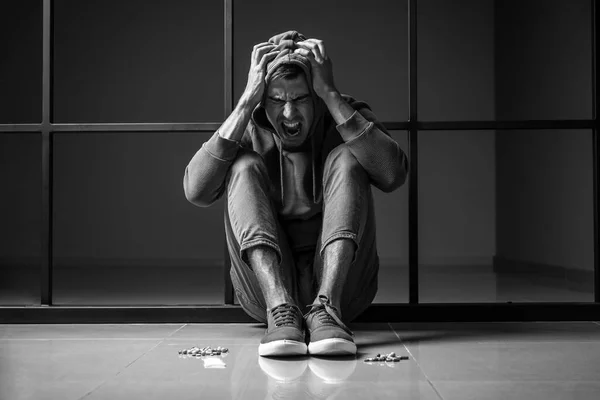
x: 296, y: 174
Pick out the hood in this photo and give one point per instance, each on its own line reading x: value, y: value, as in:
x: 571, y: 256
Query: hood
x: 286, y: 43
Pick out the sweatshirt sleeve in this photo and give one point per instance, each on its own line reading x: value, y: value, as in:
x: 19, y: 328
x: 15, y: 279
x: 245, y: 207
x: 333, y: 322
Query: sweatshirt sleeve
x: 379, y: 154
x: 204, y: 179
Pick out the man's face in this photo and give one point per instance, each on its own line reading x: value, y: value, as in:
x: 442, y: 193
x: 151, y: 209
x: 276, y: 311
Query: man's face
x: 289, y: 109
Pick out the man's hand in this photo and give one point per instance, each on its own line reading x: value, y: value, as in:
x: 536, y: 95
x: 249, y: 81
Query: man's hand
x: 262, y: 54
x: 322, y: 68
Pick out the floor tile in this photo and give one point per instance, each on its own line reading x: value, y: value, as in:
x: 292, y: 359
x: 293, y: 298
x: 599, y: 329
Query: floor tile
x: 533, y: 390
x: 87, y: 331
x: 242, y: 374
x: 219, y: 334
x: 63, y: 369
x: 467, y: 332
x: 518, y: 361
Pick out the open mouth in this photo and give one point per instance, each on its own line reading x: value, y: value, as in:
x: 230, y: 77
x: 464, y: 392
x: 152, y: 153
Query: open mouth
x: 291, y: 128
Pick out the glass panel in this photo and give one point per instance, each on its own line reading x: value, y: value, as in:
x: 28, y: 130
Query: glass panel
x: 20, y: 207
x: 367, y: 45
x: 391, y: 214
x: 21, y: 62
x: 506, y: 60
x: 138, y: 61
x: 505, y: 216
x: 124, y: 232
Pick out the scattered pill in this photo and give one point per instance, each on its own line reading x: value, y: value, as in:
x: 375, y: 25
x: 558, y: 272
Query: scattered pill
x: 392, y: 354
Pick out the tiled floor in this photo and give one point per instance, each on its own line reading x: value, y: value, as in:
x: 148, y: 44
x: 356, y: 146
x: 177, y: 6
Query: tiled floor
x: 446, y: 361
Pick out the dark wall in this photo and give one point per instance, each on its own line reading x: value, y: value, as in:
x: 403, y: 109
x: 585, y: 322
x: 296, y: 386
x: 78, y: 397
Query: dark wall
x: 119, y: 196
x: 544, y: 178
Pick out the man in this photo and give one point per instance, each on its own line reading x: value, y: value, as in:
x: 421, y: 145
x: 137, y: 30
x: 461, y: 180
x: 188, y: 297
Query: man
x: 296, y: 160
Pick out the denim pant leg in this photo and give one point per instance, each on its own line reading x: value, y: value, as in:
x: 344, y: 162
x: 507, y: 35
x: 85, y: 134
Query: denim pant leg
x: 250, y: 220
x: 348, y: 213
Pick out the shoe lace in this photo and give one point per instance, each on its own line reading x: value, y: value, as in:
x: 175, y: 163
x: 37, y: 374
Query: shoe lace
x: 327, y: 314
x: 284, y: 314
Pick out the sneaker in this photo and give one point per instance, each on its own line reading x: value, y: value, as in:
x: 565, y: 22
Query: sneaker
x: 285, y: 332
x: 328, y: 335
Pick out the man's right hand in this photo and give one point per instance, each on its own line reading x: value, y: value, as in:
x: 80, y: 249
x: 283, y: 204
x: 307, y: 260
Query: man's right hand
x: 262, y: 54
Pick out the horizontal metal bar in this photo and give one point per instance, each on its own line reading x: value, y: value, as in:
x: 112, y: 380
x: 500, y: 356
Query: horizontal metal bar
x: 485, y: 125
x: 213, y: 126
x: 451, y: 312
x: 21, y: 128
x: 137, y: 127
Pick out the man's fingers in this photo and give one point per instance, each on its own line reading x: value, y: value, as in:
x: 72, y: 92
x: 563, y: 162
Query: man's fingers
x: 306, y: 53
x: 268, y: 57
x: 321, y: 46
x: 260, y: 50
x: 316, y: 46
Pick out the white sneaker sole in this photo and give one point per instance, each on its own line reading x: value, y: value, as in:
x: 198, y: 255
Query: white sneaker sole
x: 282, y: 348
x: 332, y: 347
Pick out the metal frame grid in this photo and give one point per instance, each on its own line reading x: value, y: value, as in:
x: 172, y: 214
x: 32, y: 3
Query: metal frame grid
x: 413, y: 311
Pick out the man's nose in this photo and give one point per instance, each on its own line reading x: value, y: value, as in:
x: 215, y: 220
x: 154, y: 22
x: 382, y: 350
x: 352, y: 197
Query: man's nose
x: 288, y: 110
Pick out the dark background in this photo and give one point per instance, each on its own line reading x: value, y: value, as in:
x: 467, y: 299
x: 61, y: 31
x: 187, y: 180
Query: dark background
x: 124, y: 232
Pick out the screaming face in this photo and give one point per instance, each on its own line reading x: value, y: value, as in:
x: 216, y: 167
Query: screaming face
x: 289, y: 109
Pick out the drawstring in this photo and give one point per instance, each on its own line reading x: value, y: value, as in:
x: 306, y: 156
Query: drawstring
x: 281, y: 175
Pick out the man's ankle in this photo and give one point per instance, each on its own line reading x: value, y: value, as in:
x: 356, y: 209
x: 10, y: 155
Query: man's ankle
x: 272, y: 303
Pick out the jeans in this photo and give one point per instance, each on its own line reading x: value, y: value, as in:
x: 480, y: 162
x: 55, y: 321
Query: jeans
x: 251, y: 219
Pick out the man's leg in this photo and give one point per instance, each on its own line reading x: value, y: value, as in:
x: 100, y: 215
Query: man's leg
x: 262, y: 270
x: 346, y: 261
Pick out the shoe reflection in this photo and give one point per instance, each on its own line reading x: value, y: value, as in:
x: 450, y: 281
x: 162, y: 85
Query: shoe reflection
x: 306, y: 377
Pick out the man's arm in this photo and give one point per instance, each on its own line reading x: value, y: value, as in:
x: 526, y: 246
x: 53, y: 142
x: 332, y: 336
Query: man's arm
x: 371, y: 144
x: 380, y: 156
x: 204, y: 178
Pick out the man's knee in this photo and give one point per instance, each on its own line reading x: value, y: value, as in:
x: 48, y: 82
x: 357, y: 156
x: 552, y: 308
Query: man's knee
x: 342, y: 160
x: 247, y: 161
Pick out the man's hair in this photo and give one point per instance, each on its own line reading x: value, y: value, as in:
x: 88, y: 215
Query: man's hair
x: 287, y: 71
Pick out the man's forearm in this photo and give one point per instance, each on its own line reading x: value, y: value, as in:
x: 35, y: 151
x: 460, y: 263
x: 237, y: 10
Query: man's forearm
x: 338, y: 107
x: 234, y: 126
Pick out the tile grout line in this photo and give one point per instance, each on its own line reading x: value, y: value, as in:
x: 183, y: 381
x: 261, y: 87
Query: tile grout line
x: 177, y: 330
x: 127, y: 366
x: 416, y: 362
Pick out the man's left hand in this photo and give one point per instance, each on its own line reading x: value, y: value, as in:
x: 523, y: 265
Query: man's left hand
x: 322, y: 68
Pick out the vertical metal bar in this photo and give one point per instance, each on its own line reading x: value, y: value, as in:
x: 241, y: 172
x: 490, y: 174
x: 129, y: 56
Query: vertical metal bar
x: 46, y: 239
x: 413, y: 189
x: 228, y: 65
x: 596, y: 149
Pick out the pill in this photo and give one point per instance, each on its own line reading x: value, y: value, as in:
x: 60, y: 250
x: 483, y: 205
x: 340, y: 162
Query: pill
x: 389, y: 359
x: 392, y: 354
x: 403, y: 358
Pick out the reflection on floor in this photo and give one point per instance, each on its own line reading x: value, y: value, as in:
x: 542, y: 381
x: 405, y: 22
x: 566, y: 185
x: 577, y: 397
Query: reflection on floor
x: 446, y: 361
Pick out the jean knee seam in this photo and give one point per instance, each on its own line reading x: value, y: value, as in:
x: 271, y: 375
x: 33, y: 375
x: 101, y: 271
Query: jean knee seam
x: 254, y: 242
x: 338, y: 235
